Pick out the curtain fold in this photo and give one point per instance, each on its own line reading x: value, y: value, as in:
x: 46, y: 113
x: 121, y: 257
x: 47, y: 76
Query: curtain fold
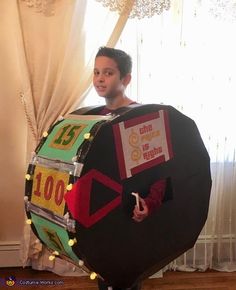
x: 56, y: 54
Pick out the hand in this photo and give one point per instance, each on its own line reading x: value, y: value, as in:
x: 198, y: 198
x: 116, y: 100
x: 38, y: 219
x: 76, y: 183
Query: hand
x: 139, y: 214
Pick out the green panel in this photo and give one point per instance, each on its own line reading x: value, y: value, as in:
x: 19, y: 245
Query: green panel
x: 54, y: 236
x: 65, y: 139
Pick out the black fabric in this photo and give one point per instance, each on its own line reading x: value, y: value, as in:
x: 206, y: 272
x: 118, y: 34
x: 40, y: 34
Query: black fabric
x: 124, y: 252
x: 120, y: 250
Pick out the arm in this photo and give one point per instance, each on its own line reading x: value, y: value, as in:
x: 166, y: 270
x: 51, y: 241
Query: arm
x: 152, y: 202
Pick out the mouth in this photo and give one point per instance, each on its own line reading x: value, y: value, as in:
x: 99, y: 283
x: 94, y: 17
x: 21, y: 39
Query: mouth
x: 100, y: 88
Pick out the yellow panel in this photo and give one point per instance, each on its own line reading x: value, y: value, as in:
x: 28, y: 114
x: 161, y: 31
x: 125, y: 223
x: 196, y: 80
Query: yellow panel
x: 49, y: 188
x: 66, y: 136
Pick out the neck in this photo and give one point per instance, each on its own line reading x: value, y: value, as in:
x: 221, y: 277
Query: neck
x: 118, y: 102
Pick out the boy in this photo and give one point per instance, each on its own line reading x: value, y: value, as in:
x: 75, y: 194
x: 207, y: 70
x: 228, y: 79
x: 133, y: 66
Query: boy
x: 112, y: 74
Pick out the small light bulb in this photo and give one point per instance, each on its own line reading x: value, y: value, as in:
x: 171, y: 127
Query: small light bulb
x: 86, y: 135
x: 51, y: 257
x: 28, y: 221
x: 93, y: 276
x: 27, y: 176
x: 69, y: 186
x: 74, y: 158
x: 71, y: 242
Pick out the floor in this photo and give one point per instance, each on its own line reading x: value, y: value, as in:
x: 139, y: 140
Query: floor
x: 31, y: 279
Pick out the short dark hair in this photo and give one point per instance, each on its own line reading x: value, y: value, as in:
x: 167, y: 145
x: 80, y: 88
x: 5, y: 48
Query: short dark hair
x: 122, y: 59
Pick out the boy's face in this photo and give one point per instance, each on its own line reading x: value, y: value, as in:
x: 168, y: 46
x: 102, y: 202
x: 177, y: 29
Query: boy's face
x: 106, y: 78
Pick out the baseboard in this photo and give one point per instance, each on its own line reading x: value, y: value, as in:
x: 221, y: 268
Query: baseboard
x: 10, y: 254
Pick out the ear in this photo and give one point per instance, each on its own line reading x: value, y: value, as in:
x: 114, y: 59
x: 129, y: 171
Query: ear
x: 126, y: 80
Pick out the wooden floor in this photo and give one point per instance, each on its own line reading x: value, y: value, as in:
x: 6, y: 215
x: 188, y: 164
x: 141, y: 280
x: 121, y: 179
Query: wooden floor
x: 210, y: 280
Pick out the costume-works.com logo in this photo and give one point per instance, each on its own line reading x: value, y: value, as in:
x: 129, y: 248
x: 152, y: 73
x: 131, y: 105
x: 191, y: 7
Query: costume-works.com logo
x: 10, y: 281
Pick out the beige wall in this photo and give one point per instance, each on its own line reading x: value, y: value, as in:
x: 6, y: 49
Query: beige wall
x: 12, y: 146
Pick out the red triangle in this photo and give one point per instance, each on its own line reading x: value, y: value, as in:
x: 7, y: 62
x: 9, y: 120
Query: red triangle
x: 79, y: 198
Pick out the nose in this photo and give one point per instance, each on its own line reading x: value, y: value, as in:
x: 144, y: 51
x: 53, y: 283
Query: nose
x: 100, y: 78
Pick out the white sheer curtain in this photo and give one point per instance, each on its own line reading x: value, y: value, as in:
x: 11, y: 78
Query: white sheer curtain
x: 186, y: 58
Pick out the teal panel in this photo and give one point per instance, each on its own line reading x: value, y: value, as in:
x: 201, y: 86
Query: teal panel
x: 65, y: 139
x: 54, y: 236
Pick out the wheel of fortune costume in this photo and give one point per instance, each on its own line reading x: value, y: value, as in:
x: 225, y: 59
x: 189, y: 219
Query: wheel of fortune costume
x: 79, y: 185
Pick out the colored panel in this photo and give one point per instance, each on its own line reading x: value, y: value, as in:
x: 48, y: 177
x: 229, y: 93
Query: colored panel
x: 142, y: 142
x: 64, y: 140
x: 66, y: 136
x: 54, y: 236
x: 49, y: 187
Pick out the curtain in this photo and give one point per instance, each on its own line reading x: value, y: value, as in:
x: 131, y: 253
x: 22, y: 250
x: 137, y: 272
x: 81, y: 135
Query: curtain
x: 186, y: 58
x: 57, y: 44
x: 13, y: 136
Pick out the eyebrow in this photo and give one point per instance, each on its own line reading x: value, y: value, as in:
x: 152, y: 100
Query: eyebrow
x: 106, y: 68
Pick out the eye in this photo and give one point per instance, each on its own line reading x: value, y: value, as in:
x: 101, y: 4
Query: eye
x: 108, y: 73
x: 96, y: 73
